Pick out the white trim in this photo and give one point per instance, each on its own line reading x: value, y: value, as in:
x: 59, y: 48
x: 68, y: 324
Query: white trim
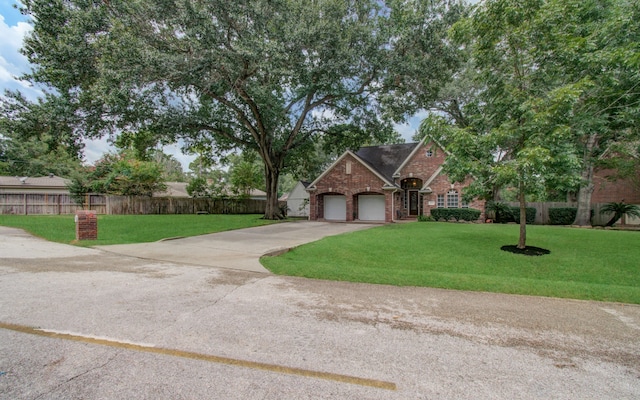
x: 426, y: 187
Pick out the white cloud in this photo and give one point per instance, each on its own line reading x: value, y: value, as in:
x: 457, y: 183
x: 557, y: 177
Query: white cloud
x: 175, y: 151
x: 12, y: 63
x: 95, y: 149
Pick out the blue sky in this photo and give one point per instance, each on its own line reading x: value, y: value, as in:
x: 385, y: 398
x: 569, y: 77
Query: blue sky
x: 13, y: 28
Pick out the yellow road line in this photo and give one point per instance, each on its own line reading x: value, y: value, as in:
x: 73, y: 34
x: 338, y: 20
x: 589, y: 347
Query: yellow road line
x: 204, y: 357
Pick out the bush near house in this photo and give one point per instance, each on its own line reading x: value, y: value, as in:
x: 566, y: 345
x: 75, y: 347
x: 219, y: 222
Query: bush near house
x: 562, y: 215
x: 515, y: 215
x: 503, y: 213
x: 447, y: 214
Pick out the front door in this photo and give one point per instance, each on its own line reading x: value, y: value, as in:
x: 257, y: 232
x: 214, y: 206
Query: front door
x: 413, y: 202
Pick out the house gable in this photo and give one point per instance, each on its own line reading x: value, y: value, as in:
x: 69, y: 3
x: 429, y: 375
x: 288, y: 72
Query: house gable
x: 407, y: 178
x: 424, y: 163
x: 347, y: 170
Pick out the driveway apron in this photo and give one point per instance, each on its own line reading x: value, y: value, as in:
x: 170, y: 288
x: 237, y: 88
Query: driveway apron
x: 239, y: 249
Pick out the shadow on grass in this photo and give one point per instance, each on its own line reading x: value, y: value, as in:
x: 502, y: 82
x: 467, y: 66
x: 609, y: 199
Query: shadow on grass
x: 527, y: 251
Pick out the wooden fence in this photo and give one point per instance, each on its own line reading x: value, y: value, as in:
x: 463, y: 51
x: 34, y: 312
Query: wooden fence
x: 47, y: 204
x: 182, y: 205
x: 542, y: 212
x: 50, y: 204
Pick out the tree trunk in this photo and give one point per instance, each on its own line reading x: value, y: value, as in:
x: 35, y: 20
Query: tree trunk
x: 522, y: 241
x: 613, y: 220
x: 583, y: 215
x: 272, y: 211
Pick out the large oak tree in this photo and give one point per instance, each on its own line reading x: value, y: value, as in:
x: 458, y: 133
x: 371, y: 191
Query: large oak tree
x: 269, y: 76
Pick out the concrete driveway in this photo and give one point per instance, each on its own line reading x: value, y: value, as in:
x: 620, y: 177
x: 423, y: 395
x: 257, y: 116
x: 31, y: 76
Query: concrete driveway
x: 80, y: 323
x: 239, y: 249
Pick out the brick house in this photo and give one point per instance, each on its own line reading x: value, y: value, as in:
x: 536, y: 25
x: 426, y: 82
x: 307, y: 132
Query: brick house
x: 606, y: 190
x: 386, y: 183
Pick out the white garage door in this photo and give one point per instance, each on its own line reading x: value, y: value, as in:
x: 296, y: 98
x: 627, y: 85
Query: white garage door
x: 371, y: 208
x: 335, y: 208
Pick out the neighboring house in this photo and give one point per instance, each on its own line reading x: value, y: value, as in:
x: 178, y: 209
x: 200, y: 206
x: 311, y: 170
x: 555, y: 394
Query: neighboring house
x: 43, y: 185
x: 254, y: 194
x: 608, y: 190
x: 174, y: 189
x: 298, y: 200
x: 41, y: 195
x: 386, y: 183
x: 257, y: 194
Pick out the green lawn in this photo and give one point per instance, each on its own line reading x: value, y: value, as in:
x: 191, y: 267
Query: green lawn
x: 583, y: 264
x: 122, y: 229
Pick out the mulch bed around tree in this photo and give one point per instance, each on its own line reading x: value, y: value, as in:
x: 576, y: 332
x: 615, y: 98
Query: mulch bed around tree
x: 527, y: 251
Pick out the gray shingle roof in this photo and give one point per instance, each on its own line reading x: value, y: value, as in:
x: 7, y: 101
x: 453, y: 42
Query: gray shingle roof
x: 37, y: 182
x: 386, y: 159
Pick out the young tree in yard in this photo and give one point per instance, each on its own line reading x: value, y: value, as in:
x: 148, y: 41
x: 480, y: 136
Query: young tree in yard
x: 119, y: 174
x: 514, y: 137
x: 591, y: 49
x: 143, y: 146
x: 207, y: 179
x: 245, y: 173
x: 257, y: 75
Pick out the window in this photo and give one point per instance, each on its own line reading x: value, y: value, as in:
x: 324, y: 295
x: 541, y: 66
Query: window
x: 452, y: 199
x: 440, y: 202
x: 429, y: 153
x: 465, y: 204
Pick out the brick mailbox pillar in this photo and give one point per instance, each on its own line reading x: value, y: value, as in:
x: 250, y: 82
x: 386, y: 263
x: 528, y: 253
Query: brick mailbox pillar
x: 86, y: 225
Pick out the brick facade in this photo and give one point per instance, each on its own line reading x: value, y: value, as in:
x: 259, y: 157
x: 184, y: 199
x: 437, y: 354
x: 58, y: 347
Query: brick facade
x: 411, y: 191
x: 86, y: 225
x: 607, y: 191
x: 350, y: 178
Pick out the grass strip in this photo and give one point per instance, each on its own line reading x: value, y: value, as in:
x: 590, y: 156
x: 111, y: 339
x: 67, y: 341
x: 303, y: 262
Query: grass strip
x: 124, y: 229
x: 585, y: 264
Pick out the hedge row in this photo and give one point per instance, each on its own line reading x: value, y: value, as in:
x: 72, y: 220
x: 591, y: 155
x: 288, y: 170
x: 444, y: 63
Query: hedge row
x: 562, y: 215
x: 465, y: 214
x: 514, y: 215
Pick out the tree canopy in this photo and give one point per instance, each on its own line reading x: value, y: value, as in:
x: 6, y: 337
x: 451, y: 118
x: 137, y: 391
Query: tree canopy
x: 37, y: 138
x: 548, y: 87
x: 260, y: 75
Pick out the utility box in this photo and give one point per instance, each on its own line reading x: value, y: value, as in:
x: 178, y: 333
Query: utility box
x: 86, y: 225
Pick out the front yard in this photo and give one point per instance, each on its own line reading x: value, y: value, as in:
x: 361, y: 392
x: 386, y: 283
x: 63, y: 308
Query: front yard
x: 591, y: 264
x: 584, y: 263
x: 123, y: 229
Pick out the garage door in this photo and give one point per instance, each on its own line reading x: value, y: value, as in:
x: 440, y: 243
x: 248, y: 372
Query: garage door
x: 335, y: 208
x: 371, y: 208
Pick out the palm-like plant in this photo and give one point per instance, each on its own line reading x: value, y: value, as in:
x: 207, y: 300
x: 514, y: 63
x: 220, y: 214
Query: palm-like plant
x: 618, y: 210
x: 501, y: 212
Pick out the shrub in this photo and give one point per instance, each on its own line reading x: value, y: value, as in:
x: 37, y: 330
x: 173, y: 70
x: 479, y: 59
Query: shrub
x: 618, y: 210
x: 503, y: 213
x: 515, y: 215
x: 562, y: 215
x: 465, y: 214
x: 499, y: 212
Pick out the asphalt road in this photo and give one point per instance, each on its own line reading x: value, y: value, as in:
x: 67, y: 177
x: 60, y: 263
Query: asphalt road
x: 85, y: 323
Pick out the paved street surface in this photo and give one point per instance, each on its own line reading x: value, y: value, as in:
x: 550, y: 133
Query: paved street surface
x: 92, y: 324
